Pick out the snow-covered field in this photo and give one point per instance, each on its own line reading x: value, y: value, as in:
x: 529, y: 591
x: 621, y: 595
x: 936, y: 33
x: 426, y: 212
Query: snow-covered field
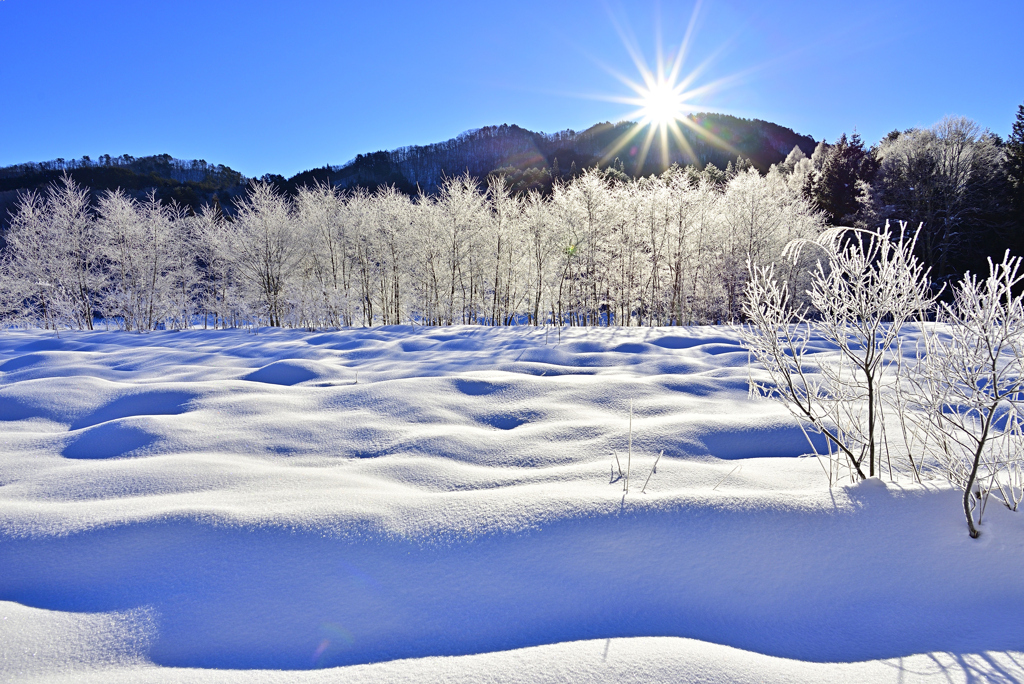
x: 425, y: 504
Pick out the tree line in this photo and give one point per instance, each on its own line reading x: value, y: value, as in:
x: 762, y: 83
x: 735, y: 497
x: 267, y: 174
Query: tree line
x: 965, y: 186
x: 544, y: 159
x: 601, y: 248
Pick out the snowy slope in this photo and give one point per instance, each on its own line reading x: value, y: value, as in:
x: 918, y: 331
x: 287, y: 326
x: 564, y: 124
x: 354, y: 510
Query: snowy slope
x: 383, y: 499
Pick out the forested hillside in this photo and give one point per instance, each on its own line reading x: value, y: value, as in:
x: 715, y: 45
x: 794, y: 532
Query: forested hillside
x: 531, y: 161
x: 534, y: 160
x: 191, y: 183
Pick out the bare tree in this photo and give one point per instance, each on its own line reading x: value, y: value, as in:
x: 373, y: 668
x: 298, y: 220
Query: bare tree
x: 267, y: 249
x: 868, y: 285
x: 970, y: 383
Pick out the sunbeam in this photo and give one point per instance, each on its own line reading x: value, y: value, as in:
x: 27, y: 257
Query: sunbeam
x: 663, y: 97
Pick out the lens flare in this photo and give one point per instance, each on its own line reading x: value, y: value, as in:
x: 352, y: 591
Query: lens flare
x: 336, y: 639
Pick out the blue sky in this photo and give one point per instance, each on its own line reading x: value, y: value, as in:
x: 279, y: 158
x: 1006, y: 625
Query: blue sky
x: 280, y: 87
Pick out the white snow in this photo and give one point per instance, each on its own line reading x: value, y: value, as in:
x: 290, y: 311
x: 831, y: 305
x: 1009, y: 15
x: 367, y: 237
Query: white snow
x: 436, y: 504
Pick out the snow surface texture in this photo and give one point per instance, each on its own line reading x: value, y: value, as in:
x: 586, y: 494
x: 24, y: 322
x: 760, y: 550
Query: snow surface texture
x: 425, y: 504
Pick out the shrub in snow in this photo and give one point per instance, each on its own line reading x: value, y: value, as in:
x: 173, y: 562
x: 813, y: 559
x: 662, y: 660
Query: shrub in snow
x: 866, y: 287
x: 961, y: 404
x: 969, y: 382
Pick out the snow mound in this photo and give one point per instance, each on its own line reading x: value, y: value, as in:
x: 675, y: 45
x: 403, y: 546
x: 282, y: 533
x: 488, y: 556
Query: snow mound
x: 121, y: 437
x: 298, y: 371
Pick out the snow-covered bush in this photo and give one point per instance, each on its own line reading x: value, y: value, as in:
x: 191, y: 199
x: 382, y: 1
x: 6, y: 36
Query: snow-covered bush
x: 838, y: 365
x: 970, y: 384
x: 829, y: 361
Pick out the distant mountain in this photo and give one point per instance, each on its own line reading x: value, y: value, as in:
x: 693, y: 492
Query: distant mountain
x: 534, y: 160
x: 711, y: 138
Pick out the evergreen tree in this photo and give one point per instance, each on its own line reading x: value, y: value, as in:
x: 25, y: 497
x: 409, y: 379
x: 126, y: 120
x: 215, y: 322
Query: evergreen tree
x: 837, y: 186
x: 1014, y: 151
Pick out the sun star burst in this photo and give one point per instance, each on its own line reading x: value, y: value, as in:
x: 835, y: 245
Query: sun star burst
x: 664, y: 96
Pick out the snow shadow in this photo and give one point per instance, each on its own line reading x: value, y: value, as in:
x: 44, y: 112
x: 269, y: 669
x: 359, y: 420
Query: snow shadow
x: 225, y: 596
x: 751, y: 441
x: 110, y: 440
x: 146, y: 403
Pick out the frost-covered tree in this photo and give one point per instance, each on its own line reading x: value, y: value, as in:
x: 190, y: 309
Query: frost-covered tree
x: 393, y: 247
x: 866, y: 287
x: 218, y: 289
x: 267, y: 251
x: 55, y: 257
x: 944, y: 178
x: 461, y: 212
x: 324, y: 219
x: 32, y: 276
x: 602, y: 250
x: 793, y: 159
x: 150, y: 261
x: 970, y: 385
x: 760, y: 215
x: 427, y: 268
x: 182, y: 273
x: 585, y: 209
x: 506, y: 250
x: 80, y: 246
x: 541, y: 247
x: 654, y: 248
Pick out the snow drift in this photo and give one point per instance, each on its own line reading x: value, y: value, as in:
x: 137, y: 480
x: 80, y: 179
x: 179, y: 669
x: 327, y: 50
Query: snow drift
x: 380, y: 499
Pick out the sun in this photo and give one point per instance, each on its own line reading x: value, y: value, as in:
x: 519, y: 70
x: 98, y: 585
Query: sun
x: 662, y: 103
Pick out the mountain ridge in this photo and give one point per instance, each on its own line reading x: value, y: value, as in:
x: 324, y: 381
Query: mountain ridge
x: 534, y: 160
x: 711, y: 138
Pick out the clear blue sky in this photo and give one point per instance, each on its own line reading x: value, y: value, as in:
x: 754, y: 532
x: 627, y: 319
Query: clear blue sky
x: 285, y: 86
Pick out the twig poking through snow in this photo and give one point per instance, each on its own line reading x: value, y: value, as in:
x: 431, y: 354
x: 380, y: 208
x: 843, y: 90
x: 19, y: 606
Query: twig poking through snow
x: 629, y: 454
x: 617, y: 464
x: 726, y: 477
x: 654, y: 469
